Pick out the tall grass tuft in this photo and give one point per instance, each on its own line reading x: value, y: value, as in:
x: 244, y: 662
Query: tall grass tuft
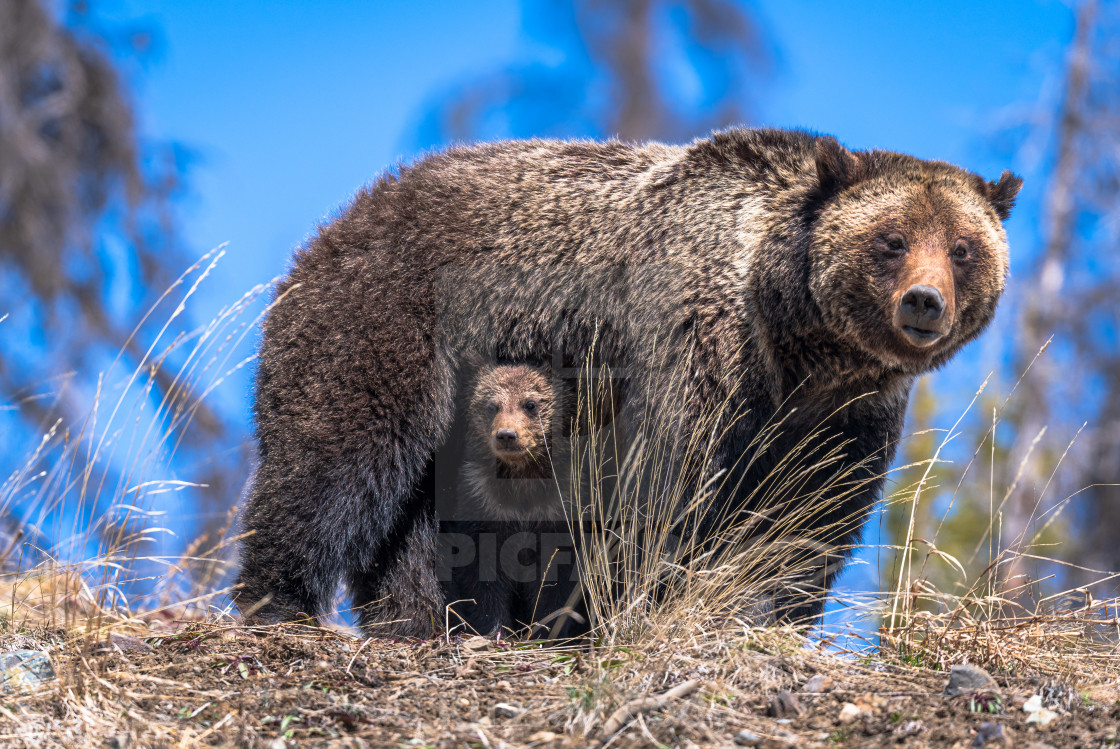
x: 99, y: 496
x: 659, y: 546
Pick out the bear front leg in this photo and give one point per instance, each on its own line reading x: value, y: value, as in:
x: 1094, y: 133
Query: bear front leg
x: 307, y: 528
x: 287, y: 573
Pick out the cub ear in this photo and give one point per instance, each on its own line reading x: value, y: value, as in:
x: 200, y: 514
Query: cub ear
x: 1002, y: 194
x: 837, y: 167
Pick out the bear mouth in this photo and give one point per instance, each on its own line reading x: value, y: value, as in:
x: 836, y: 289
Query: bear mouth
x: 511, y: 454
x: 921, y: 337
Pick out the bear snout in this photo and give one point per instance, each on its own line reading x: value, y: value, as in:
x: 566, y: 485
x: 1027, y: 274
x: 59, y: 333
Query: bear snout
x: 922, y: 315
x: 922, y: 303
x: 505, y: 439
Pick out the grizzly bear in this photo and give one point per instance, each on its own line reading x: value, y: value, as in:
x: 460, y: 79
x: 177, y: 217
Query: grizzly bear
x: 776, y: 272
x: 518, y: 567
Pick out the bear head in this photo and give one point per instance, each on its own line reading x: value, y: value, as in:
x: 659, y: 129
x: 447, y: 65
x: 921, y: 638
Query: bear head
x: 907, y: 258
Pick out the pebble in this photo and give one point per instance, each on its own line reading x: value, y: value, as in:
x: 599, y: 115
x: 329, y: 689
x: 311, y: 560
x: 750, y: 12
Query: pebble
x: 788, y: 737
x: 477, y: 644
x: 818, y: 683
x: 122, y: 644
x: 1038, y: 714
x: 909, y: 728
x: 849, y: 713
x: 747, y: 738
x: 992, y: 734
x: 968, y: 679
x: 25, y: 669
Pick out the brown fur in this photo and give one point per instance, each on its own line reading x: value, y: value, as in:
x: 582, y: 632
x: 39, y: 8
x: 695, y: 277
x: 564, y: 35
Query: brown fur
x: 741, y: 269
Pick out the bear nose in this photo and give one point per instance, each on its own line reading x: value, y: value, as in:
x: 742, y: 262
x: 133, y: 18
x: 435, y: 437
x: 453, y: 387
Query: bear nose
x: 506, y: 438
x: 923, y: 303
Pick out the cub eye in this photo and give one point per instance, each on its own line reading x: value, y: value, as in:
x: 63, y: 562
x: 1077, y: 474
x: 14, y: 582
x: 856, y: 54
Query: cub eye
x: 531, y: 407
x: 894, y: 244
x: 960, y: 250
x: 492, y: 407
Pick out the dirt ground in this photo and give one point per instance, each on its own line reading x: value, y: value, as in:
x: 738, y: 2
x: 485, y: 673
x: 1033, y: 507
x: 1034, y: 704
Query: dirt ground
x: 225, y: 685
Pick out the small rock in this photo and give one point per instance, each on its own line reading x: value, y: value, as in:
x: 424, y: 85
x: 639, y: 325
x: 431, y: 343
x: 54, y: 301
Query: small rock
x: 544, y: 737
x: 785, y: 705
x: 992, y: 734
x: 909, y: 728
x: 505, y: 710
x: 25, y: 669
x: 818, y: 683
x: 849, y: 713
x: 1037, y: 714
x: 277, y: 744
x: 463, y: 702
x: 123, y: 644
x: 968, y: 679
x: 477, y: 644
x: 747, y: 738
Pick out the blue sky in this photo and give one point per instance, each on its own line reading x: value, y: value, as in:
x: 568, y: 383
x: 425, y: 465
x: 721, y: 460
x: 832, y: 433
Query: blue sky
x: 290, y: 107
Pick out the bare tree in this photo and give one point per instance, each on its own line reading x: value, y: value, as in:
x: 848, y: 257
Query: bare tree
x: 1074, y: 297
x: 83, y: 212
x: 616, y: 79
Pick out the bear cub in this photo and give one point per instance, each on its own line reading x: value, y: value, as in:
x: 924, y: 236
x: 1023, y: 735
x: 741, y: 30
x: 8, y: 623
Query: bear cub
x: 510, y: 521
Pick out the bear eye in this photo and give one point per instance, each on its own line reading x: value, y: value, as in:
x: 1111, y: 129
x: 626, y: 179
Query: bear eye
x: 492, y: 407
x: 960, y: 250
x: 531, y: 407
x: 893, y: 245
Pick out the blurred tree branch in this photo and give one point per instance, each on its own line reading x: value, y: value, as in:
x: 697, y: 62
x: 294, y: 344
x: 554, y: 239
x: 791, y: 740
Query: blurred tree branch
x: 634, y: 69
x: 84, y: 214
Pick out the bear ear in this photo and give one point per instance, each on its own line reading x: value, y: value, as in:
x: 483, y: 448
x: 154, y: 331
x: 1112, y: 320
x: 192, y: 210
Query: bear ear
x: 837, y: 167
x: 1002, y: 194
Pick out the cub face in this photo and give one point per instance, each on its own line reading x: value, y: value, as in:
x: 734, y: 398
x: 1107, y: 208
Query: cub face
x: 907, y: 260
x: 511, y: 414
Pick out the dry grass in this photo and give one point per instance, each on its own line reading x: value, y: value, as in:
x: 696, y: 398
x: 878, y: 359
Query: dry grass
x: 217, y: 683
x: 682, y: 652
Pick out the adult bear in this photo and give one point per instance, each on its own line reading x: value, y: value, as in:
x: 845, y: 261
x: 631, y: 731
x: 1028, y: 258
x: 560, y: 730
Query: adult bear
x: 779, y: 273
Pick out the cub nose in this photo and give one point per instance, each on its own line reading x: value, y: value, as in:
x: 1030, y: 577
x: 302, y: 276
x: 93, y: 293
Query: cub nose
x: 923, y: 303
x: 506, y: 438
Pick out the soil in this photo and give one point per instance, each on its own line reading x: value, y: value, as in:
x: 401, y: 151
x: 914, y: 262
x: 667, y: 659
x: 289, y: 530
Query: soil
x: 226, y: 685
